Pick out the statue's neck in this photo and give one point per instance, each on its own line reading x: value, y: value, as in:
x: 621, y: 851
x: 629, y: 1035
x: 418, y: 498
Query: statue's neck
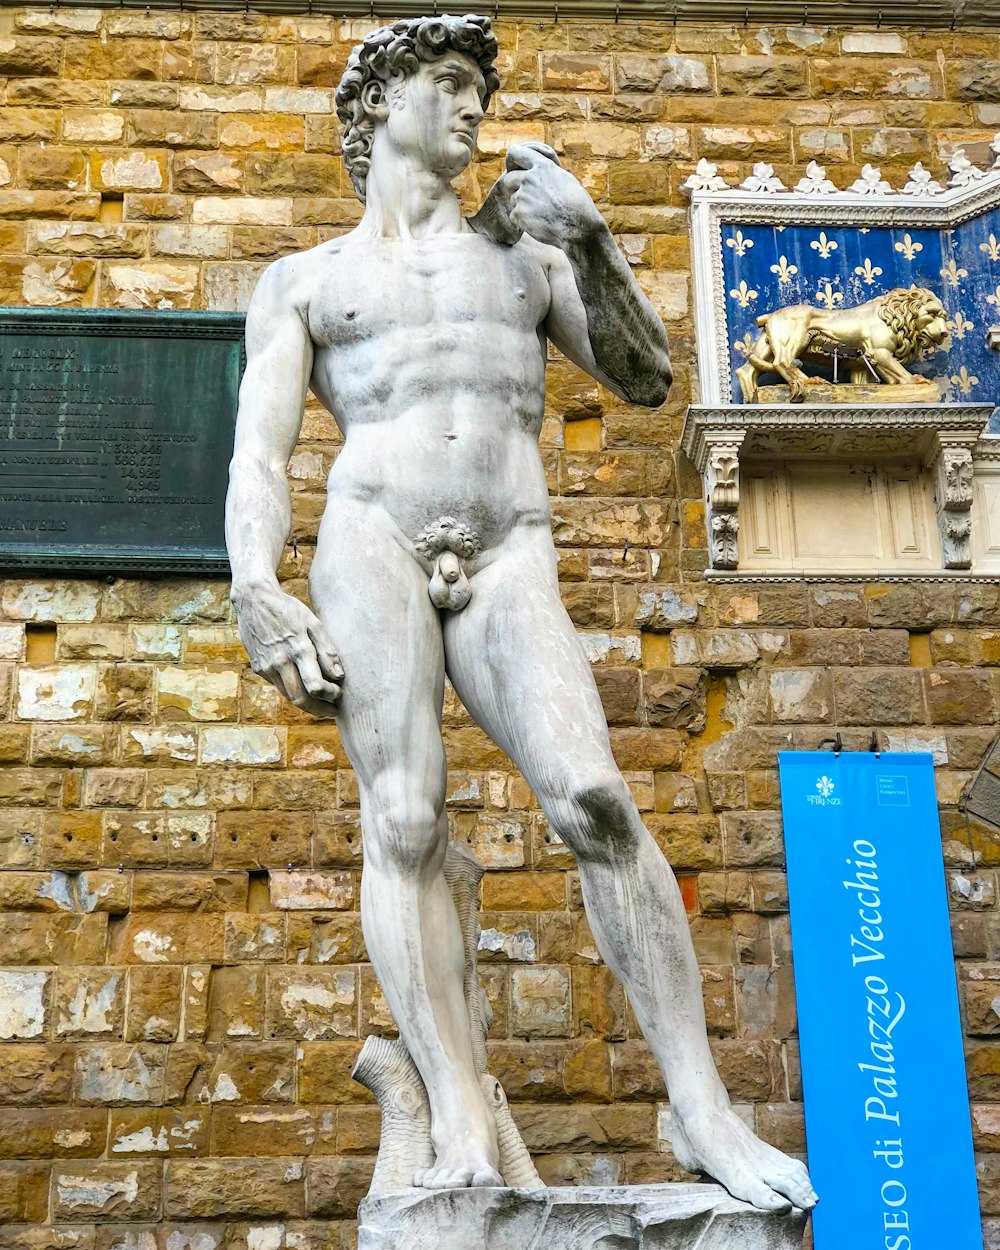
x: 404, y: 201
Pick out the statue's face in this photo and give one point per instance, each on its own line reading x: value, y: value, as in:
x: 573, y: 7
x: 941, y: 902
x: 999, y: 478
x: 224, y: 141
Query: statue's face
x: 434, y: 113
x: 932, y: 320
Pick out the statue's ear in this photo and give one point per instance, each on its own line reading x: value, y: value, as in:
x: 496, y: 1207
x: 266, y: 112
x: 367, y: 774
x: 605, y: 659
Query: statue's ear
x: 373, y: 99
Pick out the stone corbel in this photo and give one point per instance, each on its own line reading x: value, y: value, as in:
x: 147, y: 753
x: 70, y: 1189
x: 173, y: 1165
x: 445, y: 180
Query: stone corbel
x: 993, y: 338
x: 721, y: 474
x: 952, y: 467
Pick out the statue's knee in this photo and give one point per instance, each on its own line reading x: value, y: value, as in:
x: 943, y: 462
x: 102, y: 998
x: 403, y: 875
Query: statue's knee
x: 402, y: 832
x: 598, y: 819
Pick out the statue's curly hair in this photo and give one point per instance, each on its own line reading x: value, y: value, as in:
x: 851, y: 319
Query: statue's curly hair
x: 398, y: 49
x: 898, y: 309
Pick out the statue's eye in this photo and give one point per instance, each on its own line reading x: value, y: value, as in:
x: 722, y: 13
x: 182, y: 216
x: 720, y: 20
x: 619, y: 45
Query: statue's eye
x: 449, y: 83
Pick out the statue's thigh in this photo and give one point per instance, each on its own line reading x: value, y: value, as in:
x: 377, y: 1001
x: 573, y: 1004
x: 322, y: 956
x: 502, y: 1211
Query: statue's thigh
x: 516, y: 662
x: 372, y: 597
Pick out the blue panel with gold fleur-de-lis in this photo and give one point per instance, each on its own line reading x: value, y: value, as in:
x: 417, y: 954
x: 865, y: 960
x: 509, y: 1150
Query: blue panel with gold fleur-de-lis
x: 769, y: 267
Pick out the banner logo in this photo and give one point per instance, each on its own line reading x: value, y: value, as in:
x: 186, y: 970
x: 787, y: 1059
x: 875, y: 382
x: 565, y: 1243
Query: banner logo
x: 826, y: 787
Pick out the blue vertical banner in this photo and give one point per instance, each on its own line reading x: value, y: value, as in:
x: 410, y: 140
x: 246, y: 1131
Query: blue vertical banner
x: 883, y: 1070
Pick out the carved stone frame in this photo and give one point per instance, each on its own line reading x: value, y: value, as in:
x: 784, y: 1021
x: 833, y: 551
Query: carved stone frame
x: 944, y: 436
x: 763, y: 199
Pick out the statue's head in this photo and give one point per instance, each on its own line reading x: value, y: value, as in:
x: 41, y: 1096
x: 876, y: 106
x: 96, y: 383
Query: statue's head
x: 429, y: 81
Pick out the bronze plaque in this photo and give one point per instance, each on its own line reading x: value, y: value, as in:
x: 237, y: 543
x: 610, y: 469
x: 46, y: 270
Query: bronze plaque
x: 116, y: 440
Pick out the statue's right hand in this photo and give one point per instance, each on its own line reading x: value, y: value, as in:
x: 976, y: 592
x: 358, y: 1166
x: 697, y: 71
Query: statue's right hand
x: 289, y: 646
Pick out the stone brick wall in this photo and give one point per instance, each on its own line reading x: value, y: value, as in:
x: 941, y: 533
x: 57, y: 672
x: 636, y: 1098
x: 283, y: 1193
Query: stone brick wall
x: 182, y: 976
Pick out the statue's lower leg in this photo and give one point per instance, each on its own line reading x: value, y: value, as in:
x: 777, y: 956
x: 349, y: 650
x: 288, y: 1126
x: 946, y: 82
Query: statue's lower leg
x: 416, y: 947
x: 637, y: 915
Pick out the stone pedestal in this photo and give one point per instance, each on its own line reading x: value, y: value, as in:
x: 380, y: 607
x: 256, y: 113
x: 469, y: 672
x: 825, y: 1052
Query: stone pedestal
x: 823, y: 394
x: 639, y: 1217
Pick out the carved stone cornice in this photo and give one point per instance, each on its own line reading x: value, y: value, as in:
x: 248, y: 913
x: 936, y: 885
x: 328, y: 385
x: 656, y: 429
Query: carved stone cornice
x: 838, y: 430
x: 737, y: 577
x: 880, y: 14
x: 945, y: 437
x: 869, y: 200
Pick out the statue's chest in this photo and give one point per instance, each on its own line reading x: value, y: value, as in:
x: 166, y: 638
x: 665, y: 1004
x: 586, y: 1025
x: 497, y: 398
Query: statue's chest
x: 453, y: 282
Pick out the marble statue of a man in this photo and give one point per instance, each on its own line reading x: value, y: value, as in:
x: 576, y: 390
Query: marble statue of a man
x: 425, y: 336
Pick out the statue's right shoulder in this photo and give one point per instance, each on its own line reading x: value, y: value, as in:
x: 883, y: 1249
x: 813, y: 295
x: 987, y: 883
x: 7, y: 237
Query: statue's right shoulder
x: 293, y: 279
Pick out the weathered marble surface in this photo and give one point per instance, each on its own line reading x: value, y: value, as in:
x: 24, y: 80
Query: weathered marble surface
x: 638, y: 1217
x: 425, y: 335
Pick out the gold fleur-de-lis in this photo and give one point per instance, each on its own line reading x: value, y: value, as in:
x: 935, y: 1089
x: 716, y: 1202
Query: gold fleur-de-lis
x: 994, y: 299
x: 908, y: 248
x: 958, y: 325
x: 964, y: 380
x: 992, y: 249
x: 868, y: 272
x: 743, y: 294
x: 784, y: 270
x: 745, y: 345
x: 739, y: 244
x: 952, y: 274
x: 828, y: 297
x: 824, y: 246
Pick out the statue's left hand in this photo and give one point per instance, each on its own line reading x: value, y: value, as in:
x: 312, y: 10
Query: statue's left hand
x: 546, y: 201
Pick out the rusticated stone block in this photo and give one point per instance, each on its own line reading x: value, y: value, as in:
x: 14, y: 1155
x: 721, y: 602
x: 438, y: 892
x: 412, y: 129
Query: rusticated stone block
x: 752, y: 839
x: 158, y: 1132
x: 24, y: 1193
x: 24, y: 1004
x: 312, y: 891
x: 675, y: 698
x: 102, y: 1190
x: 54, y: 168
x: 974, y: 79
x: 312, y: 1003
x: 688, y: 842
x: 255, y: 938
x: 29, y: 56
x: 117, y: 1074
x: 189, y: 891
x: 29, y: 938
x: 210, y: 1188
x: 56, y: 693
x: 250, y: 1072
x: 168, y: 938
x: 169, y: 128
x: 71, y: 839
x: 154, y: 1004
x: 274, y: 1130
x: 336, y: 1186
x: 36, y: 1075
x: 263, y: 839
x: 51, y: 1133
x: 957, y: 697
x: 90, y: 1003
x: 873, y: 696
x: 151, y: 284
x: 762, y: 76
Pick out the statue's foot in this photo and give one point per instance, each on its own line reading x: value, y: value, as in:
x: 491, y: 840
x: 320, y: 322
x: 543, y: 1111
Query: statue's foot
x: 715, y: 1141
x: 466, y: 1161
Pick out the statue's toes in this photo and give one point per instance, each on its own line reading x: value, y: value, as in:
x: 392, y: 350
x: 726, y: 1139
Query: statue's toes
x: 488, y: 1177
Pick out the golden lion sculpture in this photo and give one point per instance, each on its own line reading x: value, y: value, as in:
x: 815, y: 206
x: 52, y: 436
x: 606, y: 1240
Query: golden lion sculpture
x: 876, y: 339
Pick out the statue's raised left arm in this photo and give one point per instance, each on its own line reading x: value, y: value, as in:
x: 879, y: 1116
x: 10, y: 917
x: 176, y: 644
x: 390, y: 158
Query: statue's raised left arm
x: 599, y: 316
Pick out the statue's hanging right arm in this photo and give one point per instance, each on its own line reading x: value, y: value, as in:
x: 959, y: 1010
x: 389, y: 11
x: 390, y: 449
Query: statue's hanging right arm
x: 285, y: 641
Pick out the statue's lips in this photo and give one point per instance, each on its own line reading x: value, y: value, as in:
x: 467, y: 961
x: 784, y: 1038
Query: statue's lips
x: 464, y: 134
